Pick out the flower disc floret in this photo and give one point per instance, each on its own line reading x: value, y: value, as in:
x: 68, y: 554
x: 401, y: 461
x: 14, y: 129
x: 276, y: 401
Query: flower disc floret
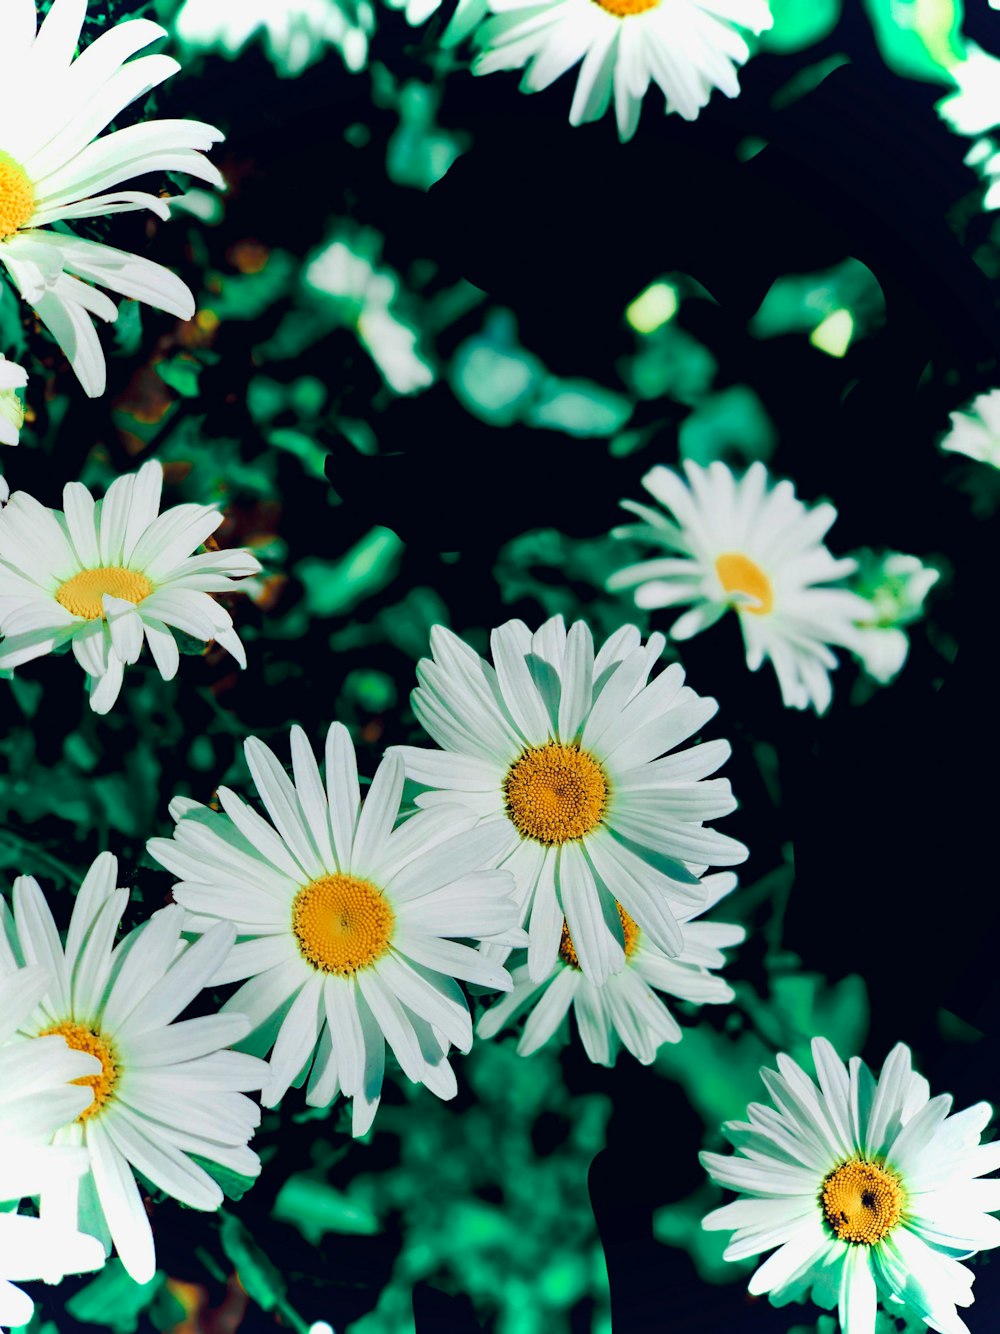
x: 555, y: 793
x: 862, y: 1202
x: 631, y: 933
x: 341, y: 924
x: 83, y: 594
x: 81, y: 1038
x: 17, y: 196
x: 624, y: 8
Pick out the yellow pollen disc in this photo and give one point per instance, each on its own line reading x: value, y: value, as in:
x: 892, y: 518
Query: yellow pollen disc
x: 739, y: 574
x: 341, y: 924
x: 623, y: 9
x: 555, y: 793
x: 567, y: 950
x: 81, y: 1038
x: 862, y: 1202
x: 17, y: 197
x: 82, y: 594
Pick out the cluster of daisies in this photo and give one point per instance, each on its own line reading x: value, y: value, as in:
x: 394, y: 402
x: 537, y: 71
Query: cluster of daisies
x: 555, y: 846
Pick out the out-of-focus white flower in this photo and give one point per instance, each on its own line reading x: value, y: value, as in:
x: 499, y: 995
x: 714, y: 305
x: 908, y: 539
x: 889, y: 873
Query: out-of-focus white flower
x: 12, y: 378
x: 975, y: 430
x: 295, y: 33
x: 895, y: 586
x: 366, y: 300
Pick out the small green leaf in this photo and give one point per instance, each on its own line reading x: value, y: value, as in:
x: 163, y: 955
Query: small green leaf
x: 113, y: 1299
x: 260, y: 1278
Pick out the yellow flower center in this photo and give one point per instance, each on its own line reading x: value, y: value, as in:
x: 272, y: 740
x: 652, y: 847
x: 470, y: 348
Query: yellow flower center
x: 567, y: 950
x: 739, y: 574
x: 342, y: 924
x: 555, y: 793
x: 17, y: 196
x: 862, y: 1202
x: 82, y: 594
x: 81, y: 1038
x: 622, y: 9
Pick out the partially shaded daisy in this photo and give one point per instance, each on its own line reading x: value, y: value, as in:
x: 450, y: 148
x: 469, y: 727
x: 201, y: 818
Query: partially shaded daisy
x: 164, y: 1091
x: 894, y: 585
x: 747, y: 544
x: 687, y: 47
x: 54, y: 168
x: 625, y: 1011
x: 563, y: 755
x: 348, y: 927
x: 868, y: 1189
x: 37, y: 1096
x: 103, y: 575
x: 12, y: 378
x: 975, y: 430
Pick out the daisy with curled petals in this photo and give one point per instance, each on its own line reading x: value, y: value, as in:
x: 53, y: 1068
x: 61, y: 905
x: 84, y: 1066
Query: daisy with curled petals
x: 103, y: 575
x: 563, y: 753
x: 12, y: 378
x: 55, y: 168
x: 38, y: 1095
x: 626, y: 1011
x: 164, y: 1091
x: 347, y: 925
x: 749, y: 545
x: 869, y: 1189
x: 687, y: 47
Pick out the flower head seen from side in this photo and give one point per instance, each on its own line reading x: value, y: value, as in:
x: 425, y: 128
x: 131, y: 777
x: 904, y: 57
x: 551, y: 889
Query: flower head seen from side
x: 348, y: 927
x: 55, y: 167
x: 626, y: 1010
x: 749, y: 545
x: 563, y: 753
x: 894, y: 585
x: 687, y: 47
x: 868, y: 1189
x: 164, y: 1090
x: 102, y: 576
x: 45, y: 1084
x: 12, y: 378
x: 975, y: 431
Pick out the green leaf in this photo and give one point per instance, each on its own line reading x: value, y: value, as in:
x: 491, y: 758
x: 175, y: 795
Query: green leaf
x: 798, y: 25
x: 921, y: 39
x: 261, y: 1279
x: 113, y: 1299
x: 234, y: 1185
x: 316, y: 1208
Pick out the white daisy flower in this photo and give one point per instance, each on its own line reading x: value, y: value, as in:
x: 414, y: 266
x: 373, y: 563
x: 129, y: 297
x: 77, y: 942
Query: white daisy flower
x: 295, y: 33
x: 37, y: 1097
x: 12, y: 378
x: 165, y: 1090
x: 868, y: 1189
x: 626, y: 1010
x: 556, y: 750
x: 55, y: 168
x: 750, y: 545
x: 347, y: 926
x: 894, y: 585
x: 976, y: 430
x: 687, y: 47
x: 102, y: 575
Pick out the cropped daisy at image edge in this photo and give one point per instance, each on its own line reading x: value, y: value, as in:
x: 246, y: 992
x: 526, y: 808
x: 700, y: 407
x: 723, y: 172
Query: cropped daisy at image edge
x: 865, y: 1190
x: 56, y: 168
x: 105, y: 576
